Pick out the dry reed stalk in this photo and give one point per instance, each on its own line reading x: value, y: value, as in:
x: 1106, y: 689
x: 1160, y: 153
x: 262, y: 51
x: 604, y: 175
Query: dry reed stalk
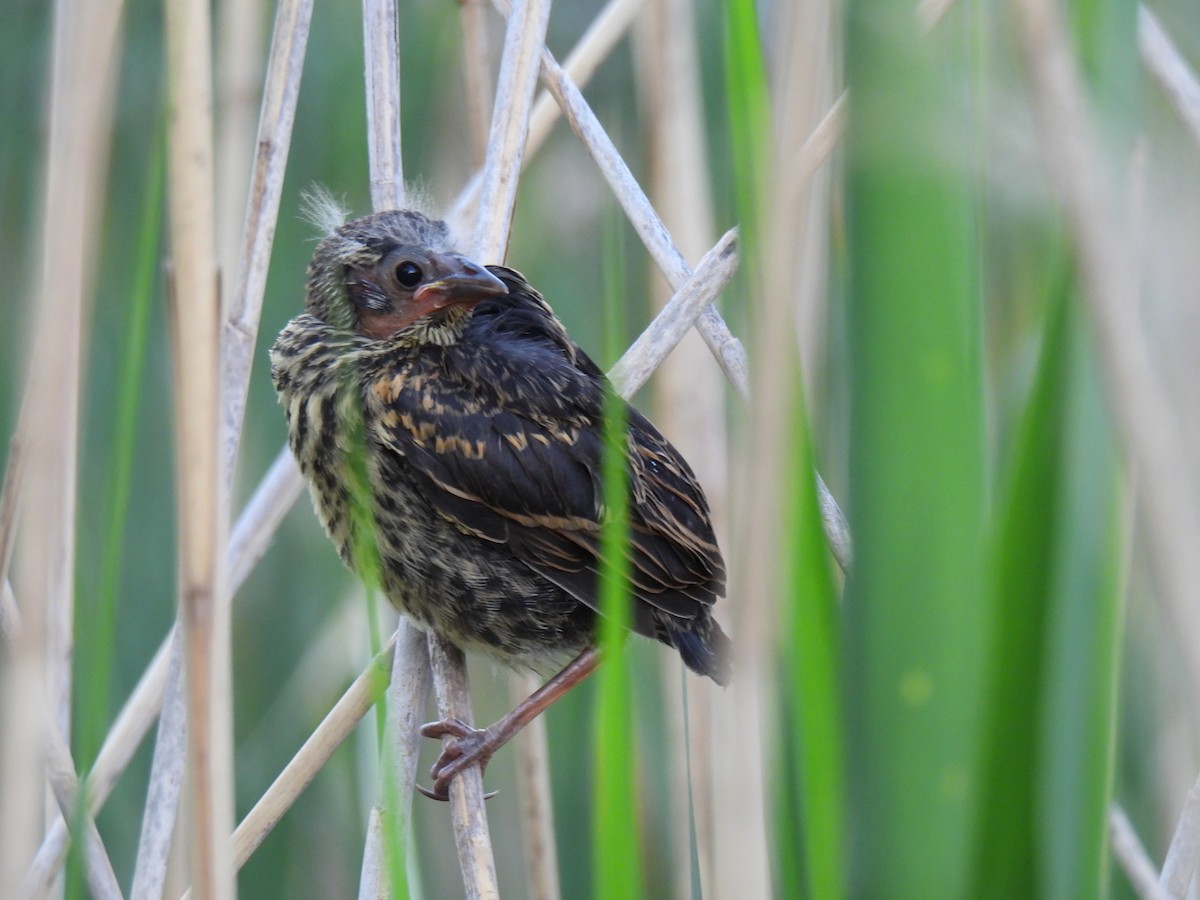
x: 115, y: 753
x: 10, y: 495
x: 1169, y: 68
x: 506, y: 143
x: 476, y: 76
x: 536, y: 808
x: 36, y: 670
x: 714, y: 271
x: 373, y: 879
x: 406, y: 698
x: 381, y: 46
x: 593, y: 48
x: 524, y: 38
x: 60, y: 768
x: 689, y: 392
x: 472, y: 841
x: 167, y: 770
x: 411, y: 683
x: 253, y: 532
x: 1132, y: 857
x: 9, y: 616
x: 312, y: 755
x: 239, y: 79
x: 1179, y: 866
x: 203, y: 497
x: 281, y: 89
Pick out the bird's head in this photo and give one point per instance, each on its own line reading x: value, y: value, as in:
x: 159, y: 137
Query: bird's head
x: 379, y: 274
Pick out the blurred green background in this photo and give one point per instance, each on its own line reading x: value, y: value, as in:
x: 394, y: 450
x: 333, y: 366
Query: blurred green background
x: 1002, y: 670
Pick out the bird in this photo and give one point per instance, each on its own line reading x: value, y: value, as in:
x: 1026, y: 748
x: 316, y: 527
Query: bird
x: 451, y: 434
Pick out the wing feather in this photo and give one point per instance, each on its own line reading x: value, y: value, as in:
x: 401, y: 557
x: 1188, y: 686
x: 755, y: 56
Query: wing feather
x: 502, y: 430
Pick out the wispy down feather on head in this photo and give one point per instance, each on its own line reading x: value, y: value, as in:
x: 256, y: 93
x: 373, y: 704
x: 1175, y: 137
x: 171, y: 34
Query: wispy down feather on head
x: 323, y: 210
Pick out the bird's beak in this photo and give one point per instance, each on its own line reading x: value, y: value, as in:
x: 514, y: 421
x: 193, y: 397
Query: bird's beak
x: 460, y: 280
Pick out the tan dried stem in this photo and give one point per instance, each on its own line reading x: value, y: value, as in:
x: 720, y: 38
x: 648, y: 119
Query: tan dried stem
x: 156, y: 844
x: 196, y: 317
x: 36, y: 667
x: 1179, y: 866
x: 472, y: 841
x: 373, y: 881
x: 407, y: 697
x: 1163, y: 60
x: 60, y: 772
x: 312, y: 755
x: 476, y: 75
x: 506, y: 145
x: 281, y: 89
x: 714, y: 271
x: 531, y: 748
x: 593, y: 48
x: 536, y: 799
x: 1132, y: 857
x: 381, y: 45
x: 239, y: 78
x: 524, y: 38
x: 255, y: 527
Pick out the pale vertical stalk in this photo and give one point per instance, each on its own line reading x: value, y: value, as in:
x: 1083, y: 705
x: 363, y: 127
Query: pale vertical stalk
x: 805, y: 56
x: 119, y: 745
x: 593, y: 48
x: 689, y: 387
x: 524, y: 40
x: 36, y: 667
x: 255, y: 527
x: 531, y: 747
x: 410, y: 689
x: 239, y: 80
x: 537, y: 810
x: 408, y: 693
x: 471, y: 838
x: 1163, y: 60
x: 60, y: 767
x: 204, y: 599
x: 320, y: 745
x: 10, y: 505
x: 242, y: 312
x: 373, y: 881
x: 1133, y: 858
x: 381, y: 46
x: 162, y: 795
x: 476, y: 75
x: 247, y: 272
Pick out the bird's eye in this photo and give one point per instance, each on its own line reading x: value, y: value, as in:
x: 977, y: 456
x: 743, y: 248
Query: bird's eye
x: 409, y: 274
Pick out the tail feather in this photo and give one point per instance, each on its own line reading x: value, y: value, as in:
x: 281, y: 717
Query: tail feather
x: 706, y: 652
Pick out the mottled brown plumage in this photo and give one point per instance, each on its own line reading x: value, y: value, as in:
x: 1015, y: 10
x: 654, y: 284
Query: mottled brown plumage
x: 478, y: 425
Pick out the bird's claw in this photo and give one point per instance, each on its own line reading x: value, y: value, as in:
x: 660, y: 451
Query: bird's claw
x: 466, y: 747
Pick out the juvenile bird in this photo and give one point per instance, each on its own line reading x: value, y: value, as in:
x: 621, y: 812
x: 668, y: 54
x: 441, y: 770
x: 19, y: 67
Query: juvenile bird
x: 448, y: 396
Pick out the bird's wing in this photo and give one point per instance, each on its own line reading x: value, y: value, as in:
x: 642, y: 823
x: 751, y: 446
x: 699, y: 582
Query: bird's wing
x: 505, y: 435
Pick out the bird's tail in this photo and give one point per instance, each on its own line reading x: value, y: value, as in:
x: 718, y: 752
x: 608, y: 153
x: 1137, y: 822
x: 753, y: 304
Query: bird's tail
x: 706, y: 650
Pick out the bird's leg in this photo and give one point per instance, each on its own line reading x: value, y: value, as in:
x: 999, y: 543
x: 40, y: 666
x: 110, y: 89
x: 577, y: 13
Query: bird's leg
x: 468, y: 746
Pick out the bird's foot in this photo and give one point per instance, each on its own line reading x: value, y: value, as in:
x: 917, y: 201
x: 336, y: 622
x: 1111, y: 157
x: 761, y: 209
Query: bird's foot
x: 467, y: 747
